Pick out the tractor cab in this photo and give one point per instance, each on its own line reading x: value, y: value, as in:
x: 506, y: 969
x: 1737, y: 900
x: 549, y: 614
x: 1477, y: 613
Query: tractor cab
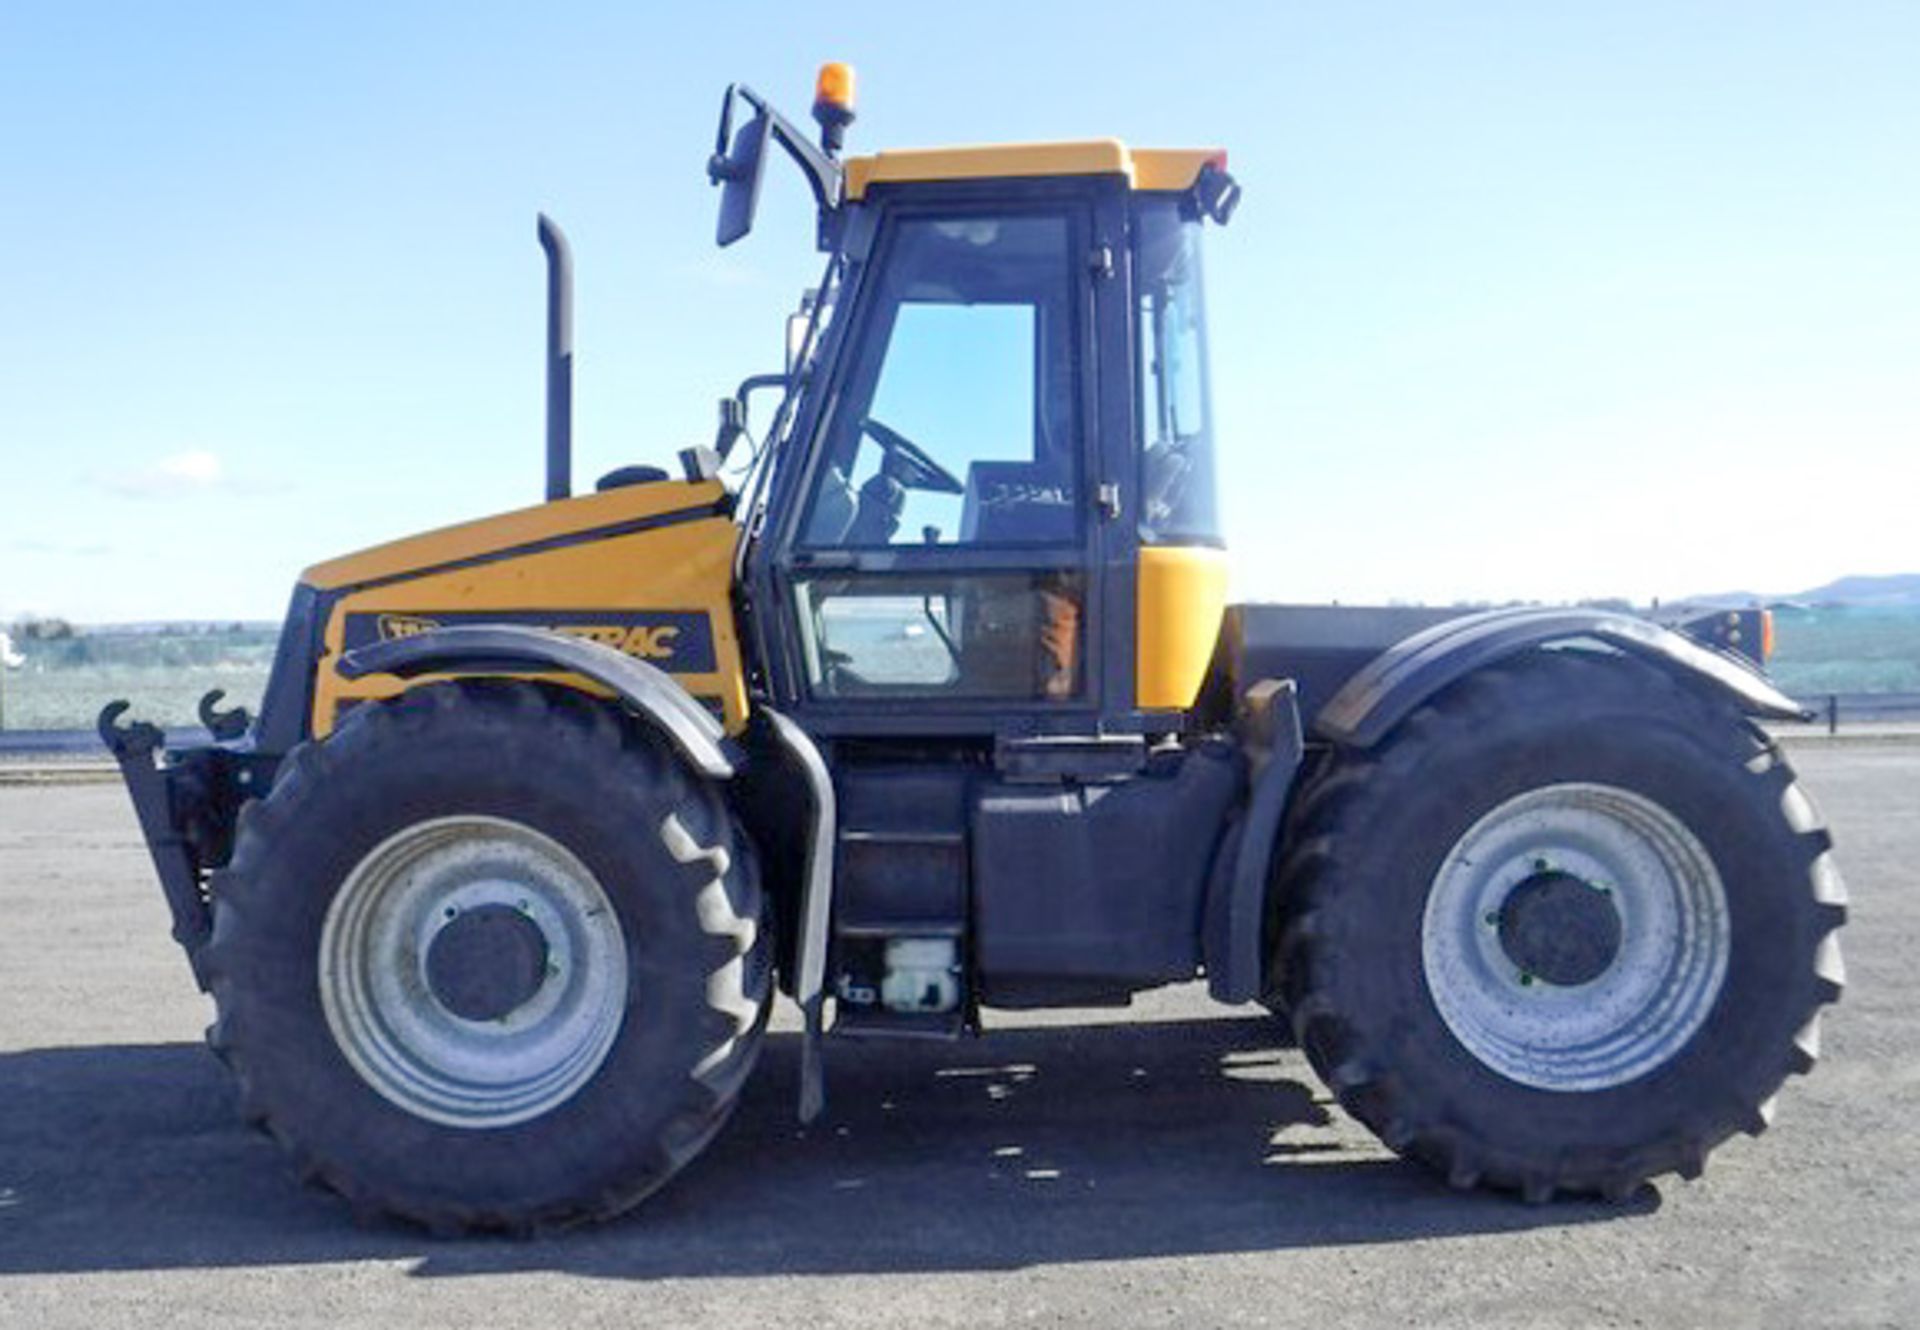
x: 987, y: 505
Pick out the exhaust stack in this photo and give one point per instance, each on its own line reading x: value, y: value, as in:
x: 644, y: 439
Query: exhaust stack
x: 559, y: 359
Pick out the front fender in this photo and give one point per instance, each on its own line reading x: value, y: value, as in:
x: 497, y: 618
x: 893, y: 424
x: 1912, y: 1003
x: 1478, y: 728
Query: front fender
x: 508, y: 648
x: 1388, y: 689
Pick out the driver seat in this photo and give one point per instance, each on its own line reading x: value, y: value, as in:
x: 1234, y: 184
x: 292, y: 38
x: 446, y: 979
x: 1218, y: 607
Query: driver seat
x: 882, y: 499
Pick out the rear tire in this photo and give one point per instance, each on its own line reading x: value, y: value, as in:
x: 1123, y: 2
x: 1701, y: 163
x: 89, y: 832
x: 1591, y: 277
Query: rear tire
x: 489, y: 957
x: 1567, y: 928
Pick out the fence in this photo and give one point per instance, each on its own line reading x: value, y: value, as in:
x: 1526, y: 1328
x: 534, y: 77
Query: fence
x: 1832, y: 709
x: 84, y: 743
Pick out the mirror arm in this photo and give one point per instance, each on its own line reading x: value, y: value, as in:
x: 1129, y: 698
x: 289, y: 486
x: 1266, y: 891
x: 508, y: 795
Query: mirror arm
x: 753, y: 383
x: 822, y: 172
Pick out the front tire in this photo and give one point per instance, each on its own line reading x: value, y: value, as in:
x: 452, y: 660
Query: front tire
x: 1568, y: 928
x: 489, y: 957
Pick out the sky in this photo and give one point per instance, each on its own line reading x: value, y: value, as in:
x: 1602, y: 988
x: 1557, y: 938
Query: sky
x: 1523, y: 300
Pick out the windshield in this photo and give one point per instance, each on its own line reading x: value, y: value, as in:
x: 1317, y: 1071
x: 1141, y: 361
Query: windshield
x: 1170, y: 378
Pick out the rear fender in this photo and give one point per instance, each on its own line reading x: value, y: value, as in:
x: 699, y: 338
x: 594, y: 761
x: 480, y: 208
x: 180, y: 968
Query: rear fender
x: 1388, y: 689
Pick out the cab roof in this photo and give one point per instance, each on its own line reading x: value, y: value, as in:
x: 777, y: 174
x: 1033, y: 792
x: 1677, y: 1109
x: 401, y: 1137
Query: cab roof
x: 1156, y: 169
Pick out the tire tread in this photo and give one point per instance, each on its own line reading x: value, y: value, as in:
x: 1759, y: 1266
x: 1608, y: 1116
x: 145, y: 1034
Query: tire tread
x: 626, y: 748
x: 1308, y: 946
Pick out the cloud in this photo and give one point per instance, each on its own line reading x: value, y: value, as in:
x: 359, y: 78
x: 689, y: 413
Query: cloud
x: 193, y: 472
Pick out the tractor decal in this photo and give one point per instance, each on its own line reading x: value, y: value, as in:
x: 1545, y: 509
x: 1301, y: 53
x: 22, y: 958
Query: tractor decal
x: 679, y: 641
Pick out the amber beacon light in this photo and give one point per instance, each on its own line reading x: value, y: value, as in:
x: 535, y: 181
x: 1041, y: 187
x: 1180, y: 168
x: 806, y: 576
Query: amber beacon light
x: 833, y: 103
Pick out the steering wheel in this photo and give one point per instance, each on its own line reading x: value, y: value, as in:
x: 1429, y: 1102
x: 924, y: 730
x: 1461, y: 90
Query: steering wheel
x: 908, y: 463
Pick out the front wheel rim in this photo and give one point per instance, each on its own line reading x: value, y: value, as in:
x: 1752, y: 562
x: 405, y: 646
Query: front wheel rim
x: 423, y: 1045
x: 1633, y: 994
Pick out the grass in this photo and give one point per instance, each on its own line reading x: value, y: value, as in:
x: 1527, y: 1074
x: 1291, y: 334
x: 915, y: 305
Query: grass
x: 1846, y: 651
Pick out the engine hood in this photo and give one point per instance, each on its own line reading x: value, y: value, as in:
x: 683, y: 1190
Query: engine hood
x: 522, y: 531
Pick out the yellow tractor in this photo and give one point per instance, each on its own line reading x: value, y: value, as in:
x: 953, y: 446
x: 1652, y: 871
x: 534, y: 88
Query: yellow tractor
x: 926, y: 700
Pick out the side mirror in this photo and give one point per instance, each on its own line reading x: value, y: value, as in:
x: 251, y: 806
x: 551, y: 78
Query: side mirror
x: 733, y: 410
x: 738, y: 162
x: 733, y: 423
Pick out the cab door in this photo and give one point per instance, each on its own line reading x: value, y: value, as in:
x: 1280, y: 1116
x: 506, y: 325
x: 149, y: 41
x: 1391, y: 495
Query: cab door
x: 940, y: 565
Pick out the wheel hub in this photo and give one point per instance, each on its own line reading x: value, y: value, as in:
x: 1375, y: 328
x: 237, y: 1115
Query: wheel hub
x: 473, y: 971
x: 1575, y: 937
x: 1558, y: 927
x: 487, y: 962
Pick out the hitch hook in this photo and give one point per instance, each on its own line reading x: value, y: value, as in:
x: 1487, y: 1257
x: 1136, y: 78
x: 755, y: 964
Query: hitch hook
x: 128, y: 741
x: 223, y: 725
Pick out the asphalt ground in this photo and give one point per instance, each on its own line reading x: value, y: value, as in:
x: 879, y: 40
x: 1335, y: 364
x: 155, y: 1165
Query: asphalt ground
x: 1172, y: 1165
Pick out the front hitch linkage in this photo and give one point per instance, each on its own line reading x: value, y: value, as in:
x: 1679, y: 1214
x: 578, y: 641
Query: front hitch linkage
x: 136, y: 747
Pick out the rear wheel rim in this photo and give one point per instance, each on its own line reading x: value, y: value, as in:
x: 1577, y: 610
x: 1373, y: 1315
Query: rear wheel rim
x: 1636, y: 990
x: 379, y: 968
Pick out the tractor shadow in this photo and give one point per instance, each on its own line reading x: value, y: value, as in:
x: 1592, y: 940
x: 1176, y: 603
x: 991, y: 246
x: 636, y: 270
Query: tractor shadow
x: 1028, y: 1147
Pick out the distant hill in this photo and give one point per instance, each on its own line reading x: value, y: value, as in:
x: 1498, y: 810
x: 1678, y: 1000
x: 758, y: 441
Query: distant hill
x: 1899, y: 590
x: 1894, y: 591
